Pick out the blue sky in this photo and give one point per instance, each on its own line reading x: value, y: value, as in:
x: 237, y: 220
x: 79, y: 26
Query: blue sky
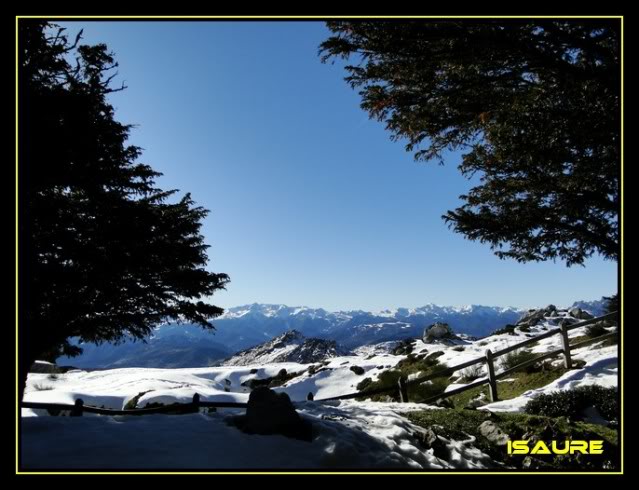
x: 311, y: 203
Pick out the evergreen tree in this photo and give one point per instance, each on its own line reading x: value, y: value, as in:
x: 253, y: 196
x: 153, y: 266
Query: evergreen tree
x: 611, y: 303
x: 534, y: 105
x: 104, y: 253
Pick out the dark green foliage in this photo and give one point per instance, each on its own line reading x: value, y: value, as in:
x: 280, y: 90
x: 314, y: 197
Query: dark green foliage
x: 414, y: 362
x: 460, y: 424
x: 517, y: 357
x: 595, y: 330
x: 534, y: 105
x: 278, y: 380
x: 430, y: 358
x: 108, y: 254
x: 612, y: 303
x: 357, y: 370
x: 571, y: 403
x: 363, y: 384
x: 404, y: 347
x: 416, y: 392
x: 509, y: 329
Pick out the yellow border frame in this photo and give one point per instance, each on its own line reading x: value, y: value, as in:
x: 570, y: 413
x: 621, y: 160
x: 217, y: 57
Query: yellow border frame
x: 317, y: 17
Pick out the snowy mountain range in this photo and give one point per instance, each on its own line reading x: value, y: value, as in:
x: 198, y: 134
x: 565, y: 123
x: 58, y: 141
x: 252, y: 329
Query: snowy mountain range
x: 291, y: 346
x: 255, y: 323
x: 246, y: 326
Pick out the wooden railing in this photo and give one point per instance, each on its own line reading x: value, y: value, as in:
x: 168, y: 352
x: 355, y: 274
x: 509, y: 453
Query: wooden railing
x: 174, y: 409
x: 401, y: 389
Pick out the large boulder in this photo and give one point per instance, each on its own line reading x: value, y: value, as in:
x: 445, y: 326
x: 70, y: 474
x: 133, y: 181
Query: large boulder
x: 357, y: 370
x: 429, y: 439
x: 533, y: 317
x: 530, y: 463
x: 493, y: 433
x: 438, y: 332
x: 579, y: 314
x: 269, y: 412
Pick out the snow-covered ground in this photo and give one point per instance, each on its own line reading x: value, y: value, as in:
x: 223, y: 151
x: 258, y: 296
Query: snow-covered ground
x: 601, y: 369
x: 113, y: 388
x: 347, y: 434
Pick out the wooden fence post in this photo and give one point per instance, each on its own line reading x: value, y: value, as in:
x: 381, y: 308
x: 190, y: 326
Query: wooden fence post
x: 77, y: 408
x: 492, y: 382
x: 566, y: 346
x: 196, y: 402
x: 403, y: 390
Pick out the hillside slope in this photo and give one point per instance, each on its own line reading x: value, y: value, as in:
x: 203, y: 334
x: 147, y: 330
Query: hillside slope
x: 347, y: 434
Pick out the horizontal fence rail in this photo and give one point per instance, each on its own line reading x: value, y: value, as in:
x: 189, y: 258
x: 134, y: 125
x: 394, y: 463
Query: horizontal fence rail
x: 401, y: 389
x: 176, y: 408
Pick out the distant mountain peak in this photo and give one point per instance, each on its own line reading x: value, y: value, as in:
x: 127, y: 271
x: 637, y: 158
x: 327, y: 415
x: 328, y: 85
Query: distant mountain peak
x: 291, y: 346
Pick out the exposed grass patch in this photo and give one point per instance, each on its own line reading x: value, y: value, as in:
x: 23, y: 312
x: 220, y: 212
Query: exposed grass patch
x: 522, y: 382
x: 517, y: 357
x: 133, y: 402
x: 460, y: 424
x: 596, y: 345
x: 410, y: 365
x: 579, y: 338
x: 42, y: 387
x: 472, y: 373
x: 607, y: 342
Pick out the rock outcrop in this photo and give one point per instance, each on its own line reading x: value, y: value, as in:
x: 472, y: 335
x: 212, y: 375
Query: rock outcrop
x: 270, y: 413
x: 439, y: 333
x: 291, y: 346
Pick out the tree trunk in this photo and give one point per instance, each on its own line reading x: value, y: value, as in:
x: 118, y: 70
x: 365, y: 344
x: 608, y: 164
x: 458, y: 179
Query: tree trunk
x: 28, y: 352
x: 25, y: 360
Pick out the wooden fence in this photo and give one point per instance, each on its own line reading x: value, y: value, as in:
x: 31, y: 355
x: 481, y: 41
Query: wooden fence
x: 489, y: 359
x: 175, y: 409
x: 401, y: 389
